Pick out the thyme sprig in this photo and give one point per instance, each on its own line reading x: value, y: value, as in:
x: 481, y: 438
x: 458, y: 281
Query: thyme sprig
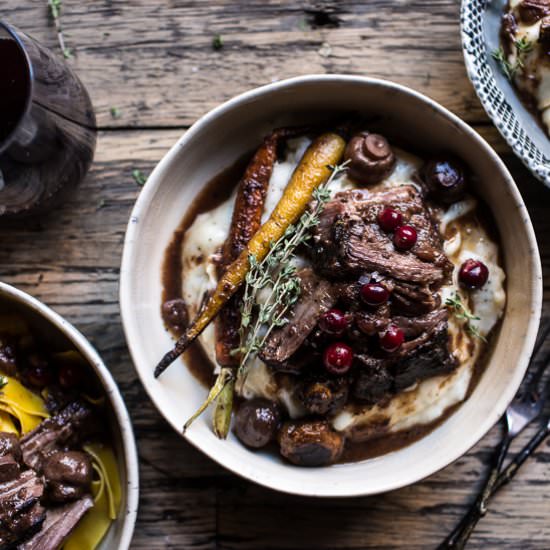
x: 462, y: 313
x: 522, y: 46
x: 277, y: 271
x: 55, y: 12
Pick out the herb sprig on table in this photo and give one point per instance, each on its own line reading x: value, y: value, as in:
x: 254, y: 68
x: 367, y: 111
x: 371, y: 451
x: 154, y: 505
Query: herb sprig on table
x: 55, y: 12
x: 462, y: 313
x: 522, y: 46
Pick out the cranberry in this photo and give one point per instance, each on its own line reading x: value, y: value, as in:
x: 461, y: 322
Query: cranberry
x: 473, y: 274
x: 69, y: 376
x: 392, y: 339
x: 374, y: 294
x: 404, y: 237
x: 338, y: 358
x: 333, y: 322
x: 389, y: 219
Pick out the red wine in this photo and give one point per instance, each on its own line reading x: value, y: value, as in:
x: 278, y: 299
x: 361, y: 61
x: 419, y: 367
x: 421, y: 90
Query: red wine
x: 14, y: 86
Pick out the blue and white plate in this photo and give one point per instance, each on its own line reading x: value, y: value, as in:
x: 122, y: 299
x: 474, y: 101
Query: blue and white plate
x: 480, y: 27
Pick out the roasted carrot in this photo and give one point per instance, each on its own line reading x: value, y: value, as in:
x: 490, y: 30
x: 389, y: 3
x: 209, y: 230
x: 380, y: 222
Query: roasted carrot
x: 313, y: 170
x: 246, y: 220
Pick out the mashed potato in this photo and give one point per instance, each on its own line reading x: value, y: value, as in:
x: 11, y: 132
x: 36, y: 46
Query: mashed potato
x: 427, y: 400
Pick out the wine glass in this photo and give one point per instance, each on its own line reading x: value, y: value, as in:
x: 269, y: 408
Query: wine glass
x: 47, y: 126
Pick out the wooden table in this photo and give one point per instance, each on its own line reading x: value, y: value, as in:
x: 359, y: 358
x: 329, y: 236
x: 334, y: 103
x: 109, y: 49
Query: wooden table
x: 153, y: 62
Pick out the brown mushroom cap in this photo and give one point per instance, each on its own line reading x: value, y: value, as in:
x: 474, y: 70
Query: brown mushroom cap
x: 370, y: 157
x: 310, y: 443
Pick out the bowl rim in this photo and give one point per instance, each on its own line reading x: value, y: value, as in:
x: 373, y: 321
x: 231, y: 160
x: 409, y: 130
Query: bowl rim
x: 154, y: 181
x: 121, y: 413
x: 502, y: 114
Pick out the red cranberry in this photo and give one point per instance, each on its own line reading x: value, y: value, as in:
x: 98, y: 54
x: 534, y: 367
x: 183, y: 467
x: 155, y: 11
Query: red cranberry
x: 404, y: 237
x: 338, y: 358
x: 389, y: 219
x: 333, y: 322
x: 392, y: 339
x: 374, y: 294
x: 473, y: 274
x: 69, y: 376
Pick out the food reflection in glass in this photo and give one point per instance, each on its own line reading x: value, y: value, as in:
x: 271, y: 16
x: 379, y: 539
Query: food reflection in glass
x: 353, y: 288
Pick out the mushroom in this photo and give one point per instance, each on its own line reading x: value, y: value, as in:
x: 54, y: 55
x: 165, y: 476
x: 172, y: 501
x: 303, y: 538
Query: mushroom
x: 370, y: 157
x: 310, y: 443
x: 257, y: 422
x: 68, y: 475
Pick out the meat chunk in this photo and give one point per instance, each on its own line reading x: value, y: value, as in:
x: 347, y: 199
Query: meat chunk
x: 69, y: 427
x: 58, y: 525
x: 9, y: 445
x: 310, y: 443
x: 348, y: 239
x: 21, y: 514
x: 317, y: 296
x: 430, y: 358
x: 373, y: 380
x: 9, y: 468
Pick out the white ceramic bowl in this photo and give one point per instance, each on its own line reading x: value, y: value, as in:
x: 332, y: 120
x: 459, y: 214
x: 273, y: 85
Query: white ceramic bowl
x: 44, y: 320
x: 215, y: 142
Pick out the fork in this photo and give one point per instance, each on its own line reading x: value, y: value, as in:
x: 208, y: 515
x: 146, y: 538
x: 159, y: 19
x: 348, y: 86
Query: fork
x: 526, y: 407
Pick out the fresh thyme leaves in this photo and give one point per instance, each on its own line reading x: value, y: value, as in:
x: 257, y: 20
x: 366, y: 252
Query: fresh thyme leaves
x: 3, y: 381
x: 217, y: 42
x: 277, y: 275
x: 139, y: 177
x: 55, y: 12
x: 505, y: 66
x: 462, y: 313
x: 522, y: 47
x: 115, y: 112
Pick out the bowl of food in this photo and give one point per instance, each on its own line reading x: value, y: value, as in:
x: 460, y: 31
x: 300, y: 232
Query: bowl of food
x: 354, y: 280
x: 506, y: 51
x: 68, y: 460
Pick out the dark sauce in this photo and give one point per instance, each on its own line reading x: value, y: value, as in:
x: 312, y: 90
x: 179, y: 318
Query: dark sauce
x: 213, y: 194
x: 217, y: 191
x: 14, y: 86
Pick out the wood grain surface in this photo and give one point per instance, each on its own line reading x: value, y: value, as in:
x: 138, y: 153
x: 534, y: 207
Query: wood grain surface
x: 154, y: 62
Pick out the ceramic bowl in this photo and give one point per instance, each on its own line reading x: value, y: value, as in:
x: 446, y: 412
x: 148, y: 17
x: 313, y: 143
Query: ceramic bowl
x: 45, y: 321
x: 236, y: 127
x: 480, y: 28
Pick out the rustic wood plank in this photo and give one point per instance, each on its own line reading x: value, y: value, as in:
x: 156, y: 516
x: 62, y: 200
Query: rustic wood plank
x: 154, y: 61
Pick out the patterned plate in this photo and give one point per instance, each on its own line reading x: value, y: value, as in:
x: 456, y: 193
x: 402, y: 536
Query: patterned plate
x: 480, y: 26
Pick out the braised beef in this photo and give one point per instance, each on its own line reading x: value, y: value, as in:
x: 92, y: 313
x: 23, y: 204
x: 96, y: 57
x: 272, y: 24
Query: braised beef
x: 413, y: 299
x: 348, y: 239
x: 9, y: 468
x: 58, y: 525
x: 373, y: 379
x: 310, y: 443
x: 68, y: 427
x: 317, y: 296
x: 9, y: 445
x: 430, y: 358
x: 20, y: 511
x: 531, y: 11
